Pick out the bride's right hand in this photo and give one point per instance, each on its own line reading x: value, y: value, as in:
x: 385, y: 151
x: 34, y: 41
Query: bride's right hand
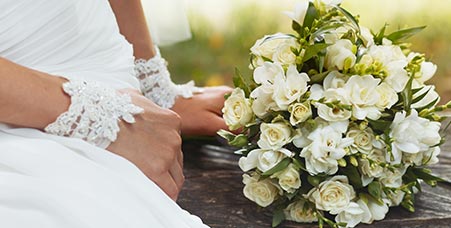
x: 153, y: 144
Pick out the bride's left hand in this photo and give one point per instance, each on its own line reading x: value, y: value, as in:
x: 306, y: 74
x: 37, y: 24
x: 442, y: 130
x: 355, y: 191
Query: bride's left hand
x: 201, y: 114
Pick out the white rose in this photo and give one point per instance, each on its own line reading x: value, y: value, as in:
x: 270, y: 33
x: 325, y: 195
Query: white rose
x: 412, y: 134
x: 264, y: 160
x: 266, y: 73
x: 299, y: 213
x: 299, y: 112
x: 289, y: 179
x: 237, y: 110
x: 333, y: 195
x: 392, y: 179
x: 363, y: 96
x: 340, y: 55
x: 363, y: 139
x: 299, y: 12
x: 267, y: 47
x: 274, y: 135
x: 430, y: 97
x: 263, y: 101
x: 289, y: 88
x: 326, y: 147
x: 285, y: 55
x: 352, y: 215
x: 371, y: 170
x: 387, y: 96
x: 366, y: 36
x: 262, y: 192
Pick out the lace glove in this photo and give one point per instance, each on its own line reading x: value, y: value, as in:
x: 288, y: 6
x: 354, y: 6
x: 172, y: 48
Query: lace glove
x: 156, y: 83
x: 94, y: 113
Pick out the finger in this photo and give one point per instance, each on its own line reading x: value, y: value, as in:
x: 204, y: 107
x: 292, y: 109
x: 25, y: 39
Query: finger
x: 176, y: 172
x: 215, y: 123
x: 217, y: 102
x: 167, y: 183
x: 180, y: 159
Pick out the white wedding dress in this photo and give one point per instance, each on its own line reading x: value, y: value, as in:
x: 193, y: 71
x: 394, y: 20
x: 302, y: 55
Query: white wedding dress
x: 54, y: 182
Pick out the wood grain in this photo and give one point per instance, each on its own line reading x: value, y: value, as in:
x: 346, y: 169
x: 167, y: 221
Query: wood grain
x: 213, y: 191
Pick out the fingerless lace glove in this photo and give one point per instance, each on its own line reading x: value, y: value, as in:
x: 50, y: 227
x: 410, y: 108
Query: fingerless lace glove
x: 94, y: 113
x: 156, y: 83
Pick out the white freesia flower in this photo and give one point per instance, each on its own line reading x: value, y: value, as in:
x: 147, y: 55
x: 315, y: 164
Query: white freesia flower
x: 428, y: 70
x: 335, y: 35
x: 262, y: 192
x: 397, y: 76
x: 367, y: 37
x: 276, y: 47
x: 333, y: 195
x: 289, y: 88
x: 335, y: 80
x: 326, y: 147
x: 274, y: 135
x: 237, y: 110
x: 428, y: 157
x: 352, y: 215
x: 300, y: 139
x: 299, y: 112
x: 387, y: 96
x: 266, y: 73
x: 393, y: 178
x: 289, y: 179
x: 340, y: 55
x: 299, y: 213
x: 262, y: 159
x: 263, y: 101
x: 316, y: 92
x: 430, y: 97
x: 395, y: 198
x: 363, y: 96
x: 326, y: 4
x: 412, y: 134
x: 333, y: 114
x: 373, y: 210
x: 300, y: 10
x: 363, y: 139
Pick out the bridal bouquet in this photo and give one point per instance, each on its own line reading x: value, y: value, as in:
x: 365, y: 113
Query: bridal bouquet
x: 337, y: 123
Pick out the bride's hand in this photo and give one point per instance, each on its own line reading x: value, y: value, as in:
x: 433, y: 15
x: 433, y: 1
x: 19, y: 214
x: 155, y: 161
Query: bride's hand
x: 201, y: 114
x: 153, y: 144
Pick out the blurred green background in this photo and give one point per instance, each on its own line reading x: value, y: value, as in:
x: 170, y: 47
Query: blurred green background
x: 224, y: 30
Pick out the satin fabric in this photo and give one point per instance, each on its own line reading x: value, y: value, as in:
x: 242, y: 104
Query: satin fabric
x: 51, y: 181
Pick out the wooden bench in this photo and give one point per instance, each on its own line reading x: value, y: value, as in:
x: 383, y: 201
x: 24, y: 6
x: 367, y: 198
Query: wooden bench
x: 213, y: 191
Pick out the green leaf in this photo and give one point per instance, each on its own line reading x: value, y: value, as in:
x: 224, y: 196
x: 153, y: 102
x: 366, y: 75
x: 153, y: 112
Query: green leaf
x: 407, y: 95
x: 319, y: 78
x: 296, y: 27
x: 239, y: 141
x: 353, y: 175
x: 351, y: 18
x: 245, y: 83
x: 321, y: 61
x: 379, y: 125
x: 420, y: 97
x: 226, y: 135
x: 375, y: 189
x: 279, y: 167
x: 401, y: 35
x: 299, y: 164
x: 310, y: 16
x: 313, y: 51
x: 278, y: 217
x: 380, y: 36
x: 430, y: 105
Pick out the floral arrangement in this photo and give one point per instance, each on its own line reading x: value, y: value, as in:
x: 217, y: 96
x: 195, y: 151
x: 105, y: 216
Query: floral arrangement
x: 336, y: 124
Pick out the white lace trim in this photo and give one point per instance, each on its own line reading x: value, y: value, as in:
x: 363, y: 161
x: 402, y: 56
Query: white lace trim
x: 156, y: 83
x: 94, y: 113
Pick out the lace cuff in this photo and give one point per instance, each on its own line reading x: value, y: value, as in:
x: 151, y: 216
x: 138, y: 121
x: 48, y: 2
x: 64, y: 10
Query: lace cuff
x: 94, y: 113
x: 156, y: 83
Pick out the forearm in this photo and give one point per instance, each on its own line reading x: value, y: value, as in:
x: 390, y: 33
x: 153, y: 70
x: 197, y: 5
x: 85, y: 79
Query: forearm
x: 30, y: 98
x: 132, y: 24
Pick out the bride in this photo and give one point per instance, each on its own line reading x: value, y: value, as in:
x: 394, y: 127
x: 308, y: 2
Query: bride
x: 83, y: 139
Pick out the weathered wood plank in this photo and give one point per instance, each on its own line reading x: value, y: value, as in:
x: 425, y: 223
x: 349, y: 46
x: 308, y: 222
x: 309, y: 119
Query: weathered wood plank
x: 213, y: 191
